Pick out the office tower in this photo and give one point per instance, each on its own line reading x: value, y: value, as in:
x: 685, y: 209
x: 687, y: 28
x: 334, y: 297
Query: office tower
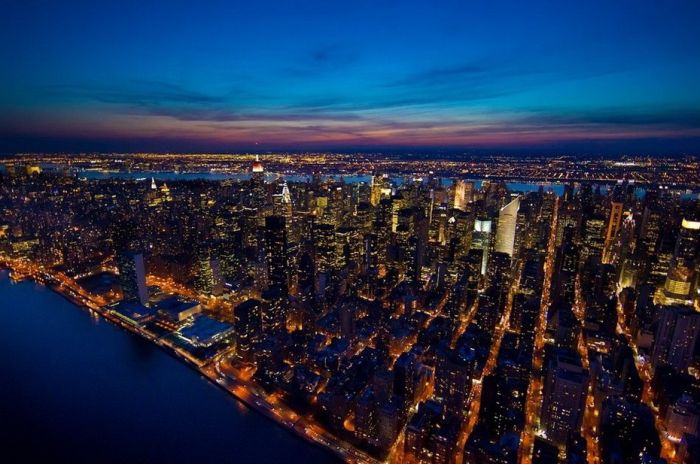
x: 380, y: 189
x: 438, y: 224
x: 650, y: 229
x: 390, y: 415
x: 274, y: 310
x: 506, y: 230
x: 453, y: 379
x: 248, y: 328
x: 564, y: 395
x: 682, y: 273
x: 382, y: 227
x: 567, y: 326
x: 524, y: 314
x: 568, y: 262
x: 430, y: 436
x: 569, y: 216
x: 683, y: 417
x: 532, y: 276
x: 349, y: 247
x: 502, y: 405
x: 363, y: 217
x: 324, y: 245
x: 418, y: 429
x: 627, y: 432
x: 405, y: 378
x: 463, y: 191
x: 614, y: 223
x: 593, y: 242
x: 472, y: 263
x: 498, y: 271
x: 282, y: 203
x: 209, y: 280
x: 481, y: 240
x: 132, y: 277
x: 257, y: 184
x: 276, y: 253
x: 676, y: 336
x: 366, y: 420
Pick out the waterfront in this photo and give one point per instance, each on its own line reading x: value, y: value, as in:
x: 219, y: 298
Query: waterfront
x: 169, y: 176
x: 84, y: 389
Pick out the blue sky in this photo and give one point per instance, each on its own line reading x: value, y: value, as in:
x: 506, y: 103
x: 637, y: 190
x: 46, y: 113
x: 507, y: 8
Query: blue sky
x: 618, y: 77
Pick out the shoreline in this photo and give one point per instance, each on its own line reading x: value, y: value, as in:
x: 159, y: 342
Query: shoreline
x: 257, y: 403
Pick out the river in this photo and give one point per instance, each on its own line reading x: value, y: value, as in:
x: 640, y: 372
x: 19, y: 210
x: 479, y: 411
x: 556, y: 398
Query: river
x: 75, y: 388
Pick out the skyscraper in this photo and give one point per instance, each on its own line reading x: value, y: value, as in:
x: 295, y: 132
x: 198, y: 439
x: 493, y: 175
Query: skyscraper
x: 676, y: 335
x: 276, y: 255
x: 481, y: 240
x: 463, y: 194
x: 507, y: 221
x: 682, y: 275
x: 614, y: 222
x: 564, y: 396
x: 132, y: 276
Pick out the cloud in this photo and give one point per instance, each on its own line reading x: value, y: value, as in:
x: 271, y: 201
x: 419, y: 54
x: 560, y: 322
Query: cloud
x: 142, y: 93
x: 469, y: 71
x: 323, y: 59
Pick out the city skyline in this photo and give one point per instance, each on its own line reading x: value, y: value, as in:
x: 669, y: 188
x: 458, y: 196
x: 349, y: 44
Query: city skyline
x: 315, y: 231
x: 473, y: 311
x: 154, y: 76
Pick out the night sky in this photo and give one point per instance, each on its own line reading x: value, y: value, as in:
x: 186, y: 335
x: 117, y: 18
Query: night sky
x: 517, y: 76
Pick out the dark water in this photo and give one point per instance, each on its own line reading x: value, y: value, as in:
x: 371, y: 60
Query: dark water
x: 76, y: 389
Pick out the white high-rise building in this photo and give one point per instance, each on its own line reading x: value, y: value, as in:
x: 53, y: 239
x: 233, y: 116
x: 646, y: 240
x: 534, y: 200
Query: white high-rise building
x: 481, y: 240
x: 507, y: 222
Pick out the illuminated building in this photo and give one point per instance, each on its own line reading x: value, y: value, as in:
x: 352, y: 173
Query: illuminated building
x: 276, y: 253
x: 176, y: 311
x: 683, y: 418
x: 430, y: 437
x: 481, y: 240
x: 463, y: 192
x: 564, y: 394
x: 406, y: 378
x: 380, y: 188
x: 503, y: 405
x: 205, y: 331
x: 257, y: 166
x: 651, y: 228
x: 324, y: 245
x: 682, y: 274
x: 209, y: 279
x: 257, y: 185
x: 390, y: 420
x: 505, y: 232
x: 614, y: 222
x: 628, y: 432
x: 248, y: 328
x: 282, y: 202
x: 453, y: 379
x: 33, y: 170
x: 676, y: 336
x: 275, y: 310
x: 593, y: 242
x: 366, y: 420
x: 382, y: 314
